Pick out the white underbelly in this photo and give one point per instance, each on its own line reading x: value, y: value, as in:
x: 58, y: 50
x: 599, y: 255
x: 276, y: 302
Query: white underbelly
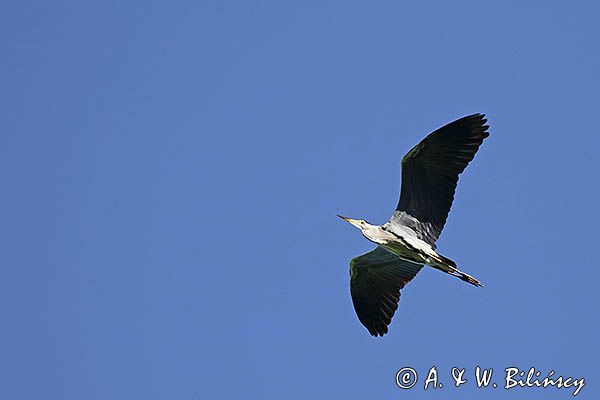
x: 411, y: 249
x: 406, y: 253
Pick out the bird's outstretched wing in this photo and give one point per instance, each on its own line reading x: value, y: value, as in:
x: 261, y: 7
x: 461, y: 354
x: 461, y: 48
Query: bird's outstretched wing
x: 430, y: 172
x: 376, y: 278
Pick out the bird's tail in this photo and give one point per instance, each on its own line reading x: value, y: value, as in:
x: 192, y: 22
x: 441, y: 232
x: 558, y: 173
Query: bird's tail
x: 449, y: 266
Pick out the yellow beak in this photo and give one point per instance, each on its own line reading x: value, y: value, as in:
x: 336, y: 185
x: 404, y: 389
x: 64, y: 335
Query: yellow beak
x: 352, y: 221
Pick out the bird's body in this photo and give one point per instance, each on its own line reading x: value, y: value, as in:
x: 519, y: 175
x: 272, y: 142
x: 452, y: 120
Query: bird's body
x: 407, y: 241
x: 403, y: 242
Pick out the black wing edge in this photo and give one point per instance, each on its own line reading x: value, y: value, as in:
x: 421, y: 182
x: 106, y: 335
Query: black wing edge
x: 430, y: 171
x: 376, y: 279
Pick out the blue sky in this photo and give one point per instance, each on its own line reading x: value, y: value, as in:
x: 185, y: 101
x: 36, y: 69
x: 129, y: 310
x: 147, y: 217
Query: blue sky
x: 171, y: 172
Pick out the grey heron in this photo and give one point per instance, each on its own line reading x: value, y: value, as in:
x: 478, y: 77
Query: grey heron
x: 406, y: 242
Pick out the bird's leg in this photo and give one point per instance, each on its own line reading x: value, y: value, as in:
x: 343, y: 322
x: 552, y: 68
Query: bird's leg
x: 470, y: 279
x: 459, y: 274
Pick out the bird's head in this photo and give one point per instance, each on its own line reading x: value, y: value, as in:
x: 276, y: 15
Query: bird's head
x: 359, y: 223
x: 371, y: 232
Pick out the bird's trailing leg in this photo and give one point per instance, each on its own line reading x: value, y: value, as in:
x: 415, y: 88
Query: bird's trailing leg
x: 452, y: 270
x: 469, y: 279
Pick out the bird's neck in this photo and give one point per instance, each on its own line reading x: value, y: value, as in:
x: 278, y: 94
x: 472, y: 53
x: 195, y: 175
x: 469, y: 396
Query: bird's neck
x: 373, y: 233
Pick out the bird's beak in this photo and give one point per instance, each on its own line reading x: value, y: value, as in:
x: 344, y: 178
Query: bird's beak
x: 352, y: 221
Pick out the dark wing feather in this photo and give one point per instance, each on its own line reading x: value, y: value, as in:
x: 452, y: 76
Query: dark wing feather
x: 376, y: 278
x: 430, y: 172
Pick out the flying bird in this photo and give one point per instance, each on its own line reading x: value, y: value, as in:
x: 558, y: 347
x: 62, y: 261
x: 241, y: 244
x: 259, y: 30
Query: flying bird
x: 406, y: 242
